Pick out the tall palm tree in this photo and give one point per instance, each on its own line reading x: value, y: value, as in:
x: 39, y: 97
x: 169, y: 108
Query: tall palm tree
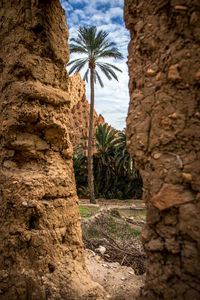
x: 95, y: 46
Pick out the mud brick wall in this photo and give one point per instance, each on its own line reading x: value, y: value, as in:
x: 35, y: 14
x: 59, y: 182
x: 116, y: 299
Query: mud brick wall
x: 80, y: 110
x: 41, y: 252
x: 163, y: 130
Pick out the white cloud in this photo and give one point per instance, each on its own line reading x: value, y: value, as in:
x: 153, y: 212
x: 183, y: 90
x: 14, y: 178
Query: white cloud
x: 112, y: 100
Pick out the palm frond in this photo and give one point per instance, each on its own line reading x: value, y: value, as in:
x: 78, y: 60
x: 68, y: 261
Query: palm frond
x: 107, y: 70
x: 105, y: 136
x: 78, y: 65
x: 77, y: 49
x: 99, y: 79
x: 107, y: 44
x: 106, y: 73
x: 112, y: 66
x: 113, y: 52
x: 85, y: 77
x: 74, y: 61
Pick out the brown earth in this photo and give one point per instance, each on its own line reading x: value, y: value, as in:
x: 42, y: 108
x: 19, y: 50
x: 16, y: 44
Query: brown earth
x: 163, y: 131
x: 115, y: 269
x: 119, y: 281
x: 78, y: 120
x: 42, y: 254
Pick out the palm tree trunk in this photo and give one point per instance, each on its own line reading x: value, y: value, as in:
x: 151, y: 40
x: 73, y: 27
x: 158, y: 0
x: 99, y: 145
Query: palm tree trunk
x: 90, y: 154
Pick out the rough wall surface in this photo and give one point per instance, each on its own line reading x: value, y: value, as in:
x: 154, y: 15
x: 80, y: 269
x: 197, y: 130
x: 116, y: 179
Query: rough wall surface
x: 40, y: 237
x: 163, y: 129
x: 80, y: 111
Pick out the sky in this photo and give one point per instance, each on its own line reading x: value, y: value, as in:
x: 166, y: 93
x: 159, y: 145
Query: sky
x: 112, y: 100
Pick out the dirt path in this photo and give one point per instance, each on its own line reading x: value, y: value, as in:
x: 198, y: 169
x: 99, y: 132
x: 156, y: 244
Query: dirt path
x: 114, y: 203
x: 119, y: 281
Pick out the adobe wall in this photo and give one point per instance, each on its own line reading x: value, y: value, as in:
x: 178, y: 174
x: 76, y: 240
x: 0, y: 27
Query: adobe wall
x: 78, y: 124
x: 42, y: 255
x: 163, y: 130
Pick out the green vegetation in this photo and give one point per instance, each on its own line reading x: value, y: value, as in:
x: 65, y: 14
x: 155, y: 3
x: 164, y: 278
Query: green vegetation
x: 85, y: 215
x: 94, y: 46
x: 112, y: 227
x: 115, y: 175
x: 119, y: 238
x: 87, y: 212
x: 82, y: 209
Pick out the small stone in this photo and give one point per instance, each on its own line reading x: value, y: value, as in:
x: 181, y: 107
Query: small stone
x: 158, y: 76
x: 157, y: 155
x: 187, y: 177
x: 131, y: 273
x: 9, y: 164
x: 181, y: 7
x: 123, y: 278
x: 24, y: 203
x: 107, y: 255
x: 175, y: 251
x: 179, y: 162
x: 173, y: 116
x: 101, y: 249
x: 171, y: 195
x: 166, y: 122
x: 114, y: 265
x: 197, y: 114
x: 150, y: 72
x: 173, y: 73
x: 31, y: 203
x: 67, y: 153
x: 193, y: 18
x: 153, y: 44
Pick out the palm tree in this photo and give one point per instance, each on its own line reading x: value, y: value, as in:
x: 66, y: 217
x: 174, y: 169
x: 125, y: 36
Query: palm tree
x: 124, y: 162
x: 104, y: 158
x: 95, y: 46
x: 105, y: 139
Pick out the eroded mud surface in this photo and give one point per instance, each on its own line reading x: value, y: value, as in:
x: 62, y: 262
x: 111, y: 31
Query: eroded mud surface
x: 163, y: 131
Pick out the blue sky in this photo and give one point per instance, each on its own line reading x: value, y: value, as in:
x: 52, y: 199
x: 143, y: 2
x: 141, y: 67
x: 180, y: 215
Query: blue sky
x: 112, y: 100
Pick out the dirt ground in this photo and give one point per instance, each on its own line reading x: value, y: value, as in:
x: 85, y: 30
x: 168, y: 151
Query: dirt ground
x: 121, y: 282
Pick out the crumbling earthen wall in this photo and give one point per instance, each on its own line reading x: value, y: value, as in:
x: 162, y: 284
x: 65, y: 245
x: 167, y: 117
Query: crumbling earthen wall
x: 40, y: 236
x: 163, y: 129
x: 80, y: 113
